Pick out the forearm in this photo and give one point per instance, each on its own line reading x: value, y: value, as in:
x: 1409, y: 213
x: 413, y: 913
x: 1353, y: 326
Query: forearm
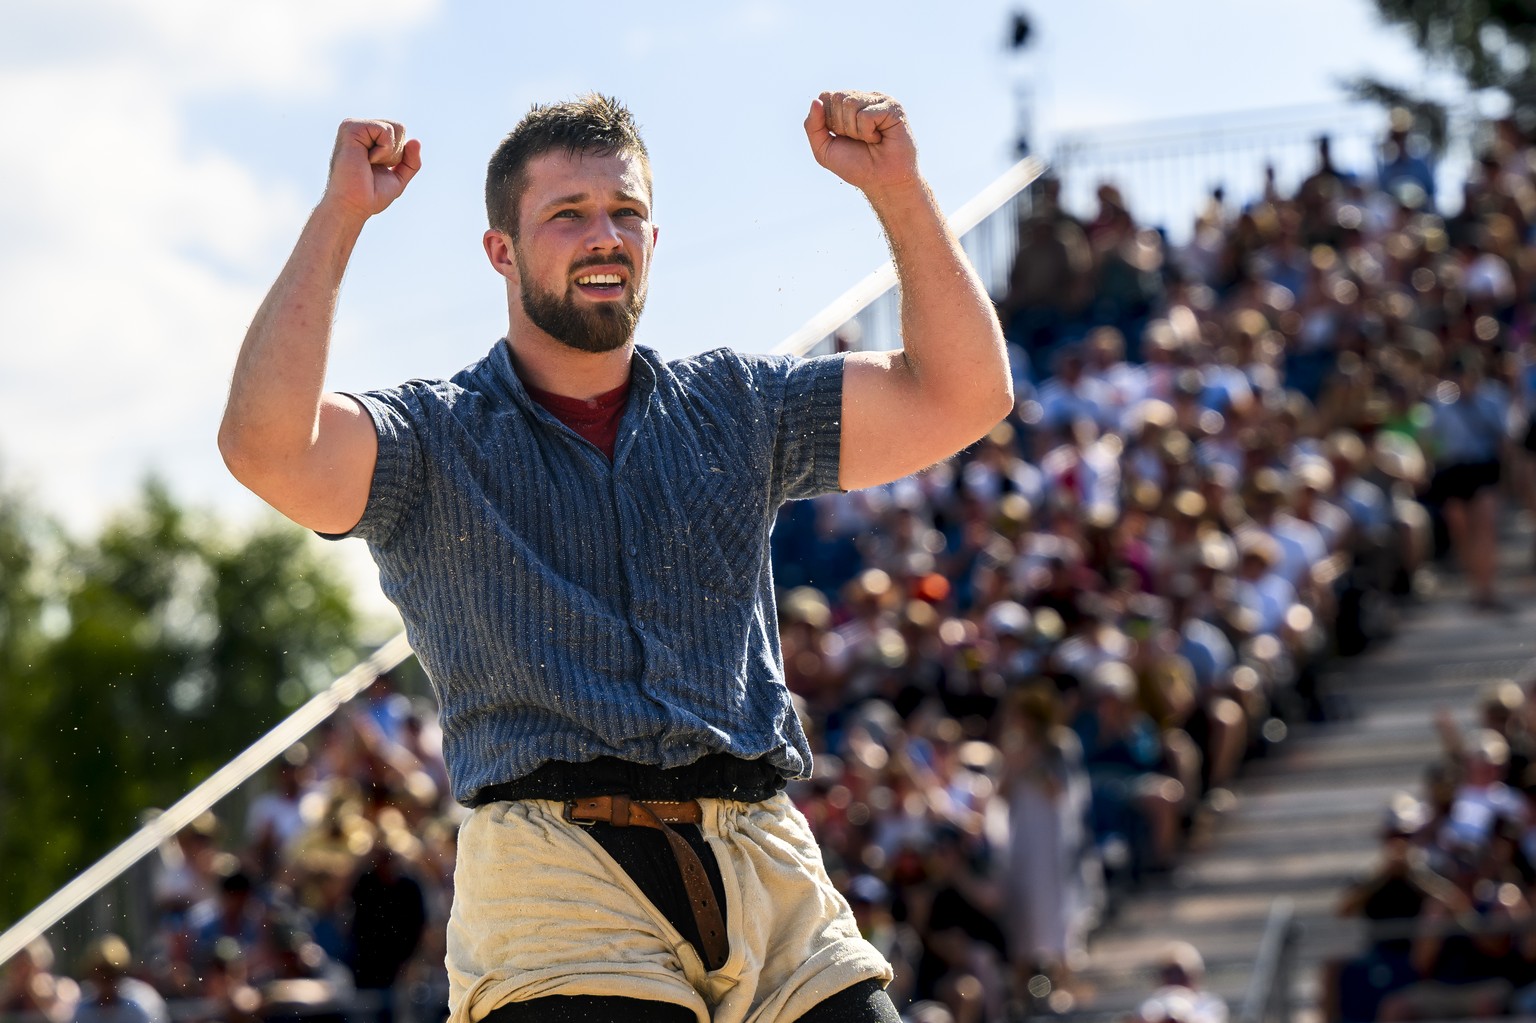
x: 952, y: 345
x: 950, y: 384
x: 275, y: 397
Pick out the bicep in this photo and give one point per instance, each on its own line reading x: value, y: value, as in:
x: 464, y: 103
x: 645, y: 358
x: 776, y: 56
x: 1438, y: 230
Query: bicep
x: 325, y: 487
x: 891, y: 428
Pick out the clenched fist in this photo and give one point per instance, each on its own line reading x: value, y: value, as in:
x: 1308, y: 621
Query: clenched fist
x: 371, y: 165
x: 862, y: 137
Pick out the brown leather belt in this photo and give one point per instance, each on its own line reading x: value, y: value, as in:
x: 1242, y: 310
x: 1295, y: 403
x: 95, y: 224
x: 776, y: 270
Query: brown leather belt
x: 622, y: 812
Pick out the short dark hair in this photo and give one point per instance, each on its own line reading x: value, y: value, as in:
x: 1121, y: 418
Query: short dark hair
x: 592, y: 123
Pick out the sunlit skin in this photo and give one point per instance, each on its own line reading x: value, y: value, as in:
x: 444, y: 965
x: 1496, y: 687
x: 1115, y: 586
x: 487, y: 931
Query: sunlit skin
x: 584, y: 219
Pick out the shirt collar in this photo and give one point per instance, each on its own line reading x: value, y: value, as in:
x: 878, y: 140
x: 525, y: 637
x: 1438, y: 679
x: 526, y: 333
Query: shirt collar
x: 644, y: 372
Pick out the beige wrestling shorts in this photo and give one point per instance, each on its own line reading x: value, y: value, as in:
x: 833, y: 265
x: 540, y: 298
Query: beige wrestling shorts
x: 540, y: 908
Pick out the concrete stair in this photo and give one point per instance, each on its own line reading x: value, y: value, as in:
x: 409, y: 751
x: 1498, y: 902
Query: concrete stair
x: 1305, y: 819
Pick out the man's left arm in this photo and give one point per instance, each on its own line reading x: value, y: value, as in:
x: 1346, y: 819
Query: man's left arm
x: 950, y: 383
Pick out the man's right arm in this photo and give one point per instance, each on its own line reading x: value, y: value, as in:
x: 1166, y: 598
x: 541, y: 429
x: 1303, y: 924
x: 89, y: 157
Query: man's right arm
x: 308, y: 453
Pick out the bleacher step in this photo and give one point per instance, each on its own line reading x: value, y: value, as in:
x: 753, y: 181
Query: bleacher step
x: 1306, y: 818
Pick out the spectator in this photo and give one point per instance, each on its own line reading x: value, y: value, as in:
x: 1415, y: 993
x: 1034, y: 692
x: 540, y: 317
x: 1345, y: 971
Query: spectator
x: 228, y: 995
x: 1467, y: 430
x: 1393, y: 896
x: 1053, y: 884
x: 964, y: 948
x: 1136, y: 805
x: 1482, y: 799
x: 275, y: 819
x: 110, y: 995
x: 29, y: 985
x: 389, y: 913
x: 1182, y: 997
x: 186, y: 870
x: 870, y: 900
x: 1405, y: 171
x: 1051, y: 281
x: 237, y: 913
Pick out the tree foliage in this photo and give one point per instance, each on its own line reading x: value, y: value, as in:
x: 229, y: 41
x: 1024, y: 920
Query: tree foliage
x: 134, y: 664
x: 1489, y: 43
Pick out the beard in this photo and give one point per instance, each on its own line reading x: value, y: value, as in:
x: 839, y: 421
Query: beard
x: 587, y: 327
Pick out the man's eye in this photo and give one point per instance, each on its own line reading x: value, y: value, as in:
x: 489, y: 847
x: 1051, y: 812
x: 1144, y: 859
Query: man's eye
x: 628, y: 212
x: 566, y: 214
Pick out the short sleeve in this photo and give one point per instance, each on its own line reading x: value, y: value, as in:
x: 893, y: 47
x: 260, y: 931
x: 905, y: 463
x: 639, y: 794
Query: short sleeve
x: 808, y: 445
x: 397, y: 472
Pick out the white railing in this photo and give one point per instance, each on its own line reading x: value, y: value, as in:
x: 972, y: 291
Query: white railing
x: 187, y: 809
x: 1166, y: 170
x: 988, y: 229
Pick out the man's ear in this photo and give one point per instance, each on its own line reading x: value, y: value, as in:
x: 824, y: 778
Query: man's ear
x: 498, y: 249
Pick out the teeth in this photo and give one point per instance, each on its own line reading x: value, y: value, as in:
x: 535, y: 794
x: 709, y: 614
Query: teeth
x: 599, y: 279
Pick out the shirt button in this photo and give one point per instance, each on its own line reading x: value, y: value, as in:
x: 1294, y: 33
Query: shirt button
x: 633, y: 550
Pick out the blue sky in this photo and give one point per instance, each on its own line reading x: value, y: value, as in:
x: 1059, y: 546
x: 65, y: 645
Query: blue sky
x: 161, y: 155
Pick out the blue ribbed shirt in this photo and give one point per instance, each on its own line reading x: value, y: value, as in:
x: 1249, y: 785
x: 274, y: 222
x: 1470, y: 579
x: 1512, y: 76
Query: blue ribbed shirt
x: 567, y: 608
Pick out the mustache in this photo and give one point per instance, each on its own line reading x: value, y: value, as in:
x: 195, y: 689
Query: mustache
x: 617, y: 259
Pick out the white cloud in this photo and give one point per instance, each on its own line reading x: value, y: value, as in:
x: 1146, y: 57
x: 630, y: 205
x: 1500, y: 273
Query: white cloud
x: 279, y: 47
x: 133, y: 253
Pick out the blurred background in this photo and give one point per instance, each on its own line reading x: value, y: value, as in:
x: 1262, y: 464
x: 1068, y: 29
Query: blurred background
x: 1201, y: 689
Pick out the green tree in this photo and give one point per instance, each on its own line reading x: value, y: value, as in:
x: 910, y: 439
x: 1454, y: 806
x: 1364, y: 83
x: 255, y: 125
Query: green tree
x: 1489, y: 43
x: 27, y: 599
x: 173, y: 645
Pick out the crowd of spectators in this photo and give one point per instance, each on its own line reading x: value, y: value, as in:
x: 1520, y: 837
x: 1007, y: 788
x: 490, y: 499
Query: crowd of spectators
x: 1031, y: 670
x: 1027, y: 673
x: 1450, y: 907
x: 328, y: 901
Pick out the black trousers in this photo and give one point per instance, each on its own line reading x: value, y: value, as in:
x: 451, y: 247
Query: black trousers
x: 865, y: 1002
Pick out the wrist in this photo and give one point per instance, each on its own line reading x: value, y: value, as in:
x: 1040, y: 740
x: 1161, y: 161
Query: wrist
x: 330, y: 235
x: 907, y: 193
x: 338, y: 214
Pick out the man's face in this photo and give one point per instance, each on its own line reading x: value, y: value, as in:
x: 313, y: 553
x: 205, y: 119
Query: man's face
x: 584, y: 247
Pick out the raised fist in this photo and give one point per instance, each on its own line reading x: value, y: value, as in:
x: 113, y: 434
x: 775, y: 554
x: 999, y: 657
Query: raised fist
x: 862, y: 137
x: 371, y: 165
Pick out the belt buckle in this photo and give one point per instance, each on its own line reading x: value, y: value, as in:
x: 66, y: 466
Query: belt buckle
x: 570, y: 809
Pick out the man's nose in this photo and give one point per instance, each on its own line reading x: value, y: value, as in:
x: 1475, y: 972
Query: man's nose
x: 604, y: 234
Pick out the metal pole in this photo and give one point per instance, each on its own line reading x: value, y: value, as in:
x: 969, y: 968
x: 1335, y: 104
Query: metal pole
x: 1269, y: 966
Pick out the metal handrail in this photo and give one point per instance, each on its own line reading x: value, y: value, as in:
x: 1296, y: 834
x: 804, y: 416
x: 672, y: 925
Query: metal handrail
x: 1270, y: 983
x: 859, y: 297
x: 187, y: 809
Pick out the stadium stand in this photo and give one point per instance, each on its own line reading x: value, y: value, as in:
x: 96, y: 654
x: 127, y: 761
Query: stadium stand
x: 1059, y: 685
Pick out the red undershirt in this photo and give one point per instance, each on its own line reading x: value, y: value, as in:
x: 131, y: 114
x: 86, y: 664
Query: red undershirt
x: 594, y: 419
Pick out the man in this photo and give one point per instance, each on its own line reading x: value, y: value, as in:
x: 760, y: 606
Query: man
x: 110, y: 995
x: 576, y: 533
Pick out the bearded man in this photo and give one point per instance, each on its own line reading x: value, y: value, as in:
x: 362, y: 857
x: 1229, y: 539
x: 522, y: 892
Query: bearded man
x: 576, y: 534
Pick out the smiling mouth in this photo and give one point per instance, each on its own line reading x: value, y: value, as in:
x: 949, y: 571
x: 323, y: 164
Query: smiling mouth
x: 600, y: 285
